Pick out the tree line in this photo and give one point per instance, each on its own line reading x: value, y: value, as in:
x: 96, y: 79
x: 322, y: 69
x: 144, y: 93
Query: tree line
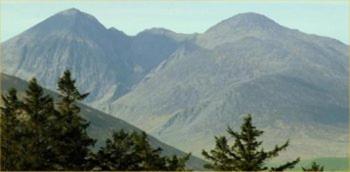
x: 41, y: 133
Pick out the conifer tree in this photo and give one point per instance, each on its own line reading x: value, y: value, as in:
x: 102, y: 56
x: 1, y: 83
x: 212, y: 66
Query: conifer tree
x: 175, y: 163
x: 151, y: 158
x: 38, y: 136
x: 37, y: 108
x: 117, y: 154
x: 314, y: 167
x: 74, y: 143
x: 10, y: 132
x: 246, y: 154
x: 132, y: 151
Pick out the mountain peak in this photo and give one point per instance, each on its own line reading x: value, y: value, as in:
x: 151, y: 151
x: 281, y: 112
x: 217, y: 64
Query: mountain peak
x: 68, y: 21
x: 73, y: 13
x: 250, y: 21
x: 251, y: 17
x: 70, y: 11
x: 240, y: 26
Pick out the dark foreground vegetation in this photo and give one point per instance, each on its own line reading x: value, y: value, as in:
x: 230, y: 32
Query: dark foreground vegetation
x: 40, y: 133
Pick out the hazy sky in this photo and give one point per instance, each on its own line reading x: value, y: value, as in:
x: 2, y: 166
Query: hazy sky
x: 321, y: 18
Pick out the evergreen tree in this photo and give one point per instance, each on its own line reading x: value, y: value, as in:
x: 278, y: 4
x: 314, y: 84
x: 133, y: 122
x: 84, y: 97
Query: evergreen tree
x: 38, y: 108
x: 132, y: 151
x: 73, y: 141
x: 117, y: 154
x: 151, y: 158
x: 175, y: 163
x: 36, y: 135
x: 314, y: 167
x: 24, y: 129
x: 246, y: 153
x: 11, y: 146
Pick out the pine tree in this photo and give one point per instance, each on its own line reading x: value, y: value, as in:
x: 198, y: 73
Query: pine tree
x: 24, y: 129
x: 38, y: 108
x: 74, y: 142
x: 175, y: 163
x: 11, y: 146
x: 132, y: 151
x: 314, y: 167
x: 117, y: 154
x: 150, y: 158
x: 36, y: 135
x: 246, y: 153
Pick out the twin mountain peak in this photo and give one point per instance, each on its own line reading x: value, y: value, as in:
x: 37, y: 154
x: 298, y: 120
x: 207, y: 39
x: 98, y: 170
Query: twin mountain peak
x: 75, y: 20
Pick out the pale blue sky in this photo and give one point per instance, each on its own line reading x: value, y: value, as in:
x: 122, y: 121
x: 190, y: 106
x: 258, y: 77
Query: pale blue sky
x: 318, y: 17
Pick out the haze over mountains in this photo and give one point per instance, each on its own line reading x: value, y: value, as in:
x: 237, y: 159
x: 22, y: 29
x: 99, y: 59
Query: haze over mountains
x: 186, y: 88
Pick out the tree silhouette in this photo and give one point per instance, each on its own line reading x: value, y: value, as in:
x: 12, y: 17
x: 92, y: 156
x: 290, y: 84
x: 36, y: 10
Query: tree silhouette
x: 132, y: 151
x: 11, y: 131
x: 73, y: 140
x: 314, y: 167
x: 38, y: 133
x: 246, y: 153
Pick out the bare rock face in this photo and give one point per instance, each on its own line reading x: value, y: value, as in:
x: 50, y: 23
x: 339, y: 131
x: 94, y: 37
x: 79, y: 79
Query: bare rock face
x: 184, y: 89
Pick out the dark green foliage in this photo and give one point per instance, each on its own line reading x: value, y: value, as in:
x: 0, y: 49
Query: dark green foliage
x: 39, y: 110
x: 314, y: 167
x: 132, y: 151
x: 38, y: 135
x: 11, y: 147
x: 73, y: 141
x: 246, y: 153
x: 25, y: 129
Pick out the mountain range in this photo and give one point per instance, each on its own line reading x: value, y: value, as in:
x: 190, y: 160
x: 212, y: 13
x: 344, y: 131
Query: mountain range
x: 186, y: 88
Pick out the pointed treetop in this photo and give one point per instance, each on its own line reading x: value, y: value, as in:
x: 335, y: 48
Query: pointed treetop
x: 66, y: 86
x: 246, y: 153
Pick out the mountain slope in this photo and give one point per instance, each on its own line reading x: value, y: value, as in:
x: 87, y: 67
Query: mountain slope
x: 106, y: 62
x: 76, y: 41
x: 294, y: 84
x: 101, y: 124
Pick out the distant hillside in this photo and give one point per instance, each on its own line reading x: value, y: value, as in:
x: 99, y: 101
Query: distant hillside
x: 101, y: 124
